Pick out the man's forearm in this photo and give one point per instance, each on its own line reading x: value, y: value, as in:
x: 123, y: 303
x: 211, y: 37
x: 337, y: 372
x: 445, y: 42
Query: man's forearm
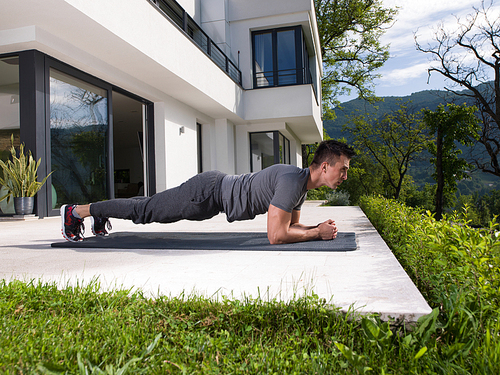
x: 302, y: 226
x: 284, y: 227
x: 296, y: 233
x: 299, y: 233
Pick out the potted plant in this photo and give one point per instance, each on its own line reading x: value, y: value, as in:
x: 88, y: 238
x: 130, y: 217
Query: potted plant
x: 20, y: 179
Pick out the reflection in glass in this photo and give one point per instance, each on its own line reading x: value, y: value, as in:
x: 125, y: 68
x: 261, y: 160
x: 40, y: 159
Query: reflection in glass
x: 264, y: 67
x: 9, y: 116
x: 78, y: 136
x: 284, y: 151
x: 287, y: 72
x: 262, y: 149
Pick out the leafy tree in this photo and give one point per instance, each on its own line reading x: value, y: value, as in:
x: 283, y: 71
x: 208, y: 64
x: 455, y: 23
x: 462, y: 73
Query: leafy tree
x: 469, y: 57
x: 349, y: 32
x: 450, y: 124
x: 489, y: 206
x: 394, y: 141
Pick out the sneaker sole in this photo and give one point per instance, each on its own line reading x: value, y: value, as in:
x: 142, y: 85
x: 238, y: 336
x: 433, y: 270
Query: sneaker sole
x: 62, y: 211
x: 92, y: 221
x: 92, y: 226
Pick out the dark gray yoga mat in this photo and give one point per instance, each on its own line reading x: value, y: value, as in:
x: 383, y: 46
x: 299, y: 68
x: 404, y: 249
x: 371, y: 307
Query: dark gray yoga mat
x: 345, y: 241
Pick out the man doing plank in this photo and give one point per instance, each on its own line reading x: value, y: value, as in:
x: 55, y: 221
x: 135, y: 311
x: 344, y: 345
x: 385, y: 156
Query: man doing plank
x: 279, y: 190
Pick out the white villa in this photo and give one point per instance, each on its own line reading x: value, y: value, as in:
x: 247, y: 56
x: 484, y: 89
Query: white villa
x: 127, y: 97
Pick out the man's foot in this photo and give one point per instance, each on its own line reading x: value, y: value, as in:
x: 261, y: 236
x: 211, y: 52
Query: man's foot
x: 72, y: 227
x: 99, y: 225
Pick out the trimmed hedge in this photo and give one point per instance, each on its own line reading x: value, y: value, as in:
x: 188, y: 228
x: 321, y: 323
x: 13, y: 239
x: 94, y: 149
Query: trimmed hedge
x: 457, y: 269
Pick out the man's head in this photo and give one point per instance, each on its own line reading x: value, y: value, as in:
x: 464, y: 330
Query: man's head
x: 329, y: 151
x: 331, y: 163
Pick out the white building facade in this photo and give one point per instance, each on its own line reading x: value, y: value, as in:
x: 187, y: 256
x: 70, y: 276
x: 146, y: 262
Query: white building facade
x: 129, y: 97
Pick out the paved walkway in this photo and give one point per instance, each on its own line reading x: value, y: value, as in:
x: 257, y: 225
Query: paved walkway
x: 369, y: 279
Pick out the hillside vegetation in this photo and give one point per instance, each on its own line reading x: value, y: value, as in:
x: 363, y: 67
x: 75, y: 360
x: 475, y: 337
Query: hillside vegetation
x: 429, y: 99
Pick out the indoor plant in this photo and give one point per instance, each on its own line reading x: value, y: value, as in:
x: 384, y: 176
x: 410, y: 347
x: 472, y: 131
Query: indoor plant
x: 20, y: 179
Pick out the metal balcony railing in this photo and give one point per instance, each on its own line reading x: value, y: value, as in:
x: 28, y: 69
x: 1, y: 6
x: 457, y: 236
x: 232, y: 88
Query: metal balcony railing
x: 175, y: 13
x: 288, y: 77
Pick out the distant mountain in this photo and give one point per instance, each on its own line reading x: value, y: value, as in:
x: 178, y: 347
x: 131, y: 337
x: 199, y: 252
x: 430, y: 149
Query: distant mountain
x: 429, y: 99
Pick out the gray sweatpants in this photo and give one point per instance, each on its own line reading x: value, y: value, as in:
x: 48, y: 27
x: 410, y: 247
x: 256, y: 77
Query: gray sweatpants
x: 199, y: 198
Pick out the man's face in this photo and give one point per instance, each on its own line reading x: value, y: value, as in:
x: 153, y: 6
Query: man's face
x: 337, y: 173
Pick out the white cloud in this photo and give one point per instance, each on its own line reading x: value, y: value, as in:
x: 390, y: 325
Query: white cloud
x: 406, y: 70
x: 422, y: 17
x: 401, y: 77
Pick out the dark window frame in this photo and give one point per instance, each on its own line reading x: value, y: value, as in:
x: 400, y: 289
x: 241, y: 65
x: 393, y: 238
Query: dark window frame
x: 199, y: 144
x: 303, y: 75
x: 276, y: 147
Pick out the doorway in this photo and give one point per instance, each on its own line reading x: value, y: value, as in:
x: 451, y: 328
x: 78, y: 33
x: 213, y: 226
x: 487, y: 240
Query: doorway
x: 129, y: 118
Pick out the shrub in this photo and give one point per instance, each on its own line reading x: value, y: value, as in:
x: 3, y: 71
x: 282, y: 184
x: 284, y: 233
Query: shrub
x: 457, y: 268
x: 337, y: 198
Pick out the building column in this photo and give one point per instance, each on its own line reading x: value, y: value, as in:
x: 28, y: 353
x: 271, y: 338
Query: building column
x: 224, y: 146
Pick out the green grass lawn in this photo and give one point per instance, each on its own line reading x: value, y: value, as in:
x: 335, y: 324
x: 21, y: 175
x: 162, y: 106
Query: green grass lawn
x: 82, y: 330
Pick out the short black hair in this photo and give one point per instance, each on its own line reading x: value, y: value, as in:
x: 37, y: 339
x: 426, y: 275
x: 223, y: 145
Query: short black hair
x: 330, y: 150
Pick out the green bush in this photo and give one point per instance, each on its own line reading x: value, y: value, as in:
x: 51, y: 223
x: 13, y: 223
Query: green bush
x: 337, y: 198
x: 457, y: 268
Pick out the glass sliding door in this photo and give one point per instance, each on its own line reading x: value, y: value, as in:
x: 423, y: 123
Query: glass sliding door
x: 284, y: 149
x: 128, y: 146
x: 268, y: 148
x: 262, y: 150
x: 9, y: 116
x: 79, y: 130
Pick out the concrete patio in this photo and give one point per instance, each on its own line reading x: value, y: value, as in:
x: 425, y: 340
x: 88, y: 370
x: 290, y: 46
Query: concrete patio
x: 369, y: 279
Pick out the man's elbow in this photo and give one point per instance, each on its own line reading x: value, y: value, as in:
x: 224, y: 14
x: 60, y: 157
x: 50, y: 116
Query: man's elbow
x: 275, y: 239
x: 279, y: 238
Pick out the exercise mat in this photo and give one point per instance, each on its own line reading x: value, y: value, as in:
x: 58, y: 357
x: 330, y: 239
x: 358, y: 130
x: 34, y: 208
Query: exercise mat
x: 345, y: 241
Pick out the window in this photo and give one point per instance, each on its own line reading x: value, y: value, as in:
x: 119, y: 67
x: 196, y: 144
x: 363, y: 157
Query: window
x: 9, y: 116
x: 268, y: 148
x: 280, y: 57
x: 67, y: 122
x: 78, y: 138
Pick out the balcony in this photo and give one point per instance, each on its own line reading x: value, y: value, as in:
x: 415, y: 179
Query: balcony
x: 178, y: 16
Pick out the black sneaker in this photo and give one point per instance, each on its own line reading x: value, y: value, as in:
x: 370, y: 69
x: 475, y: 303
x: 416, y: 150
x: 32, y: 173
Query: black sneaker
x: 72, y: 227
x: 99, y: 225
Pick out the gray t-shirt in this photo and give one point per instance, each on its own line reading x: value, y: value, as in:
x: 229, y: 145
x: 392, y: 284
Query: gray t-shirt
x: 247, y: 195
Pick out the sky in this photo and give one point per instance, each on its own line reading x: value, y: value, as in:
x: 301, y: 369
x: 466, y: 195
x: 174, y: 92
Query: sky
x: 406, y: 70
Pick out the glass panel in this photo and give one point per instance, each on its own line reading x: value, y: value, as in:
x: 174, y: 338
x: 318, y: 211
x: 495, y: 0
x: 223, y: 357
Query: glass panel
x: 262, y: 150
x: 305, y: 64
x: 9, y: 116
x: 78, y: 137
x: 174, y: 11
x: 128, y: 146
x: 287, y: 73
x: 287, y: 151
x: 217, y: 56
x: 234, y: 73
x: 282, y: 149
x: 264, y: 68
x: 198, y: 35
